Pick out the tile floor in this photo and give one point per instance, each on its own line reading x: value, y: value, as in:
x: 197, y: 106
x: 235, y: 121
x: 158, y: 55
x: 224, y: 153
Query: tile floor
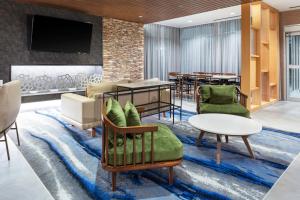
x: 18, y: 180
x: 282, y: 115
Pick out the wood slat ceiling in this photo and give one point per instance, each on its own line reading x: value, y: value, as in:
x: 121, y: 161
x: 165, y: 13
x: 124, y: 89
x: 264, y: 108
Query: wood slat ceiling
x: 131, y: 10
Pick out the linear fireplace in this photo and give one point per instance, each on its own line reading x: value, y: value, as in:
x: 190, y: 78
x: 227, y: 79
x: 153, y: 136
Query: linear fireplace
x: 54, y: 79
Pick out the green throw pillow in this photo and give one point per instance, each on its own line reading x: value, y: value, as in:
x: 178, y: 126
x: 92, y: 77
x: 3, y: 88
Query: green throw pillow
x: 132, y: 115
x: 116, y: 115
x: 205, y: 93
x: 222, y: 94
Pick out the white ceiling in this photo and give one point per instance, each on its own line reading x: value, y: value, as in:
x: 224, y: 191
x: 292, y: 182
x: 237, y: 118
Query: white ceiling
x: 283, y: 5
x: 224, y: 14
x: 203, y: 18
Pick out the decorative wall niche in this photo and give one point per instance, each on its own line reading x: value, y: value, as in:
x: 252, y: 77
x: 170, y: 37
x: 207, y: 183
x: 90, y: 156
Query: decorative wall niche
x: 52, y: 79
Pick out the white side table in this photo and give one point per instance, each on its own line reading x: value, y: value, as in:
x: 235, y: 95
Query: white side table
x: 228, y: 125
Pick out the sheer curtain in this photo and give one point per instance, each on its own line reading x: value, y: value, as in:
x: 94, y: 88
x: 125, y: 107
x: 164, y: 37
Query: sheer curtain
x: 162, y: 51
x: 294, y: 49
x: 199, y: 48
x: 209, y: 48
x: 230, y: 46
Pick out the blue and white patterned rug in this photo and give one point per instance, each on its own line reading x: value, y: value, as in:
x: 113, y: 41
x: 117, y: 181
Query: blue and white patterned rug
x: 53, y: 147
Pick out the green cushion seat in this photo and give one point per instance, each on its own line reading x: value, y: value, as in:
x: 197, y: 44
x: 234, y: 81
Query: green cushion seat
x: 221, y: 99
x: 234, y: 109
x: 167, y: 147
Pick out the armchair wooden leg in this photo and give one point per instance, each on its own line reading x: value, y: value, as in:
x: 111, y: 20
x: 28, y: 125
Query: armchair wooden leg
x: 93, y: 134
x: 6, y: 144
x: 17, y: 131
x: 113, y: 180
x: 171, y: 176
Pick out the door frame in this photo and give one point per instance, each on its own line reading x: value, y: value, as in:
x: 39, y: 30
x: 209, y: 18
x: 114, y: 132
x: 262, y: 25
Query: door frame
x: 288, y: 29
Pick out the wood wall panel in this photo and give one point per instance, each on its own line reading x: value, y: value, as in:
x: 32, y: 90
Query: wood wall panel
x: 130, y: 10
x: 246, y: 52
x: 261, y: 84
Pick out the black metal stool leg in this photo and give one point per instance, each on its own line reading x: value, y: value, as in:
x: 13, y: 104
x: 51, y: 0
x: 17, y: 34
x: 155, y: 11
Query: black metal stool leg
x: 7, y: 151
x: 17, y: 133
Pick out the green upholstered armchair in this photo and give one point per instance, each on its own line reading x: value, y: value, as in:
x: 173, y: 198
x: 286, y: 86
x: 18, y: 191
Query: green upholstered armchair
x: 225, y: 99
x: 128, y: 145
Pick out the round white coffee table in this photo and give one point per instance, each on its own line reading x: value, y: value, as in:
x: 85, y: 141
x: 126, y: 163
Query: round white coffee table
x: 228, y: 125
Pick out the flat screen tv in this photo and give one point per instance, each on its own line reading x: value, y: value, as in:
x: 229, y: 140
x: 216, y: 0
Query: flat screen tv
x: 59, y: 35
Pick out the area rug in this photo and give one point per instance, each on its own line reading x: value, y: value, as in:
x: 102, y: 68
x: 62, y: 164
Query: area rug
x: 55, y: 147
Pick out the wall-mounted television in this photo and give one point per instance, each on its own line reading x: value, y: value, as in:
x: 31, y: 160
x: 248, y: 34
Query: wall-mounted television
x: 59, y: 35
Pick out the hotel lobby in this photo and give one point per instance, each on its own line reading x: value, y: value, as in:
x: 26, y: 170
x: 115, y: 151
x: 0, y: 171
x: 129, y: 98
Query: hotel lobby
x: 153, y: 100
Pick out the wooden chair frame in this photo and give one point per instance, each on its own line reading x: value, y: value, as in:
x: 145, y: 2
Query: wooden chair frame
x: 132, y: 131
x: 242, y: 98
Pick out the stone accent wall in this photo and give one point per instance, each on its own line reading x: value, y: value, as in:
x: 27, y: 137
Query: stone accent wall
x: 123, y: 50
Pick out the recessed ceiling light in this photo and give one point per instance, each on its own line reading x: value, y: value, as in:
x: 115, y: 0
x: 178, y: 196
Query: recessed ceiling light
x: 232, y: 13
x: 140, y: 16
x: 190, y: 21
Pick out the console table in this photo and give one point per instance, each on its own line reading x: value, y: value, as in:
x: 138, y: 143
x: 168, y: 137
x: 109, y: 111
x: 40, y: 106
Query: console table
x: 150, y: 86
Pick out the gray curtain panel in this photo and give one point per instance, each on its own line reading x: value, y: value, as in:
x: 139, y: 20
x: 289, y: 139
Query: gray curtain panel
x: 162, y: 51
x: 230, y: 43
x: 212, y: 47
x: 294, y: 49
x: 199, y: 48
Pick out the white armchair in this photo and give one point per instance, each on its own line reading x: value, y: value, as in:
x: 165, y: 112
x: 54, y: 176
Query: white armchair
x: 10, y: 102
x: 85, y: 112
x: 80, y: 111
